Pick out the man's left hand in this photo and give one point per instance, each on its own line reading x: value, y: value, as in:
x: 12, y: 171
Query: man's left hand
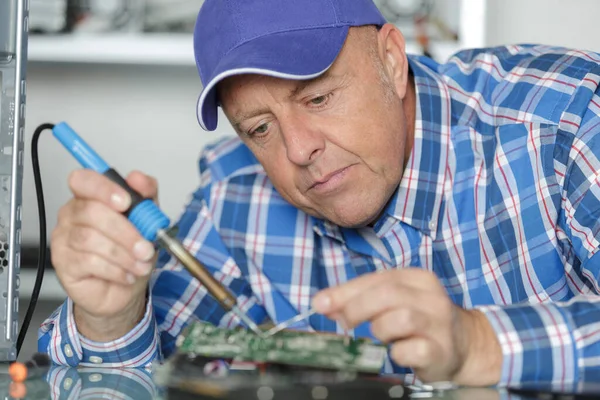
x: 409, y: 309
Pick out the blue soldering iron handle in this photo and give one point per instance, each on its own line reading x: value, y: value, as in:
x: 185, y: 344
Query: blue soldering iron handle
x: 143, y: 213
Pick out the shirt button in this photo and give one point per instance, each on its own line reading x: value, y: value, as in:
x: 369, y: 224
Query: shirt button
x: 95, y: 360
x: 68, y: 350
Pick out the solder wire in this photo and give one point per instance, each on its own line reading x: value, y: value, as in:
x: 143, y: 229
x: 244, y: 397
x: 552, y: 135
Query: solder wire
x: 289, y: 322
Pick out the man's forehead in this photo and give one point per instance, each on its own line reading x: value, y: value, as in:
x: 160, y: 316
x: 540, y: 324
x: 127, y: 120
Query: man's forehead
x: 233, y: 86
x: 247, y: 104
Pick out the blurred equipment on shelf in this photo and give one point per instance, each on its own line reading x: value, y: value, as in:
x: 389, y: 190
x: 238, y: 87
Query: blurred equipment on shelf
x: 401, y: 11
x: 105, y: 16
x: 48, y: 16
x: 423, y: 21
x: 63, y: 16
x: 108, y: 15
x: 171, y: 15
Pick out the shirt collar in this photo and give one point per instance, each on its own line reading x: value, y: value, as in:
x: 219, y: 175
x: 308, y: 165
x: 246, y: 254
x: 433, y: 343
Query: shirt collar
x: 358, y: 240
x: 329, y: 229
x: 419, y: 196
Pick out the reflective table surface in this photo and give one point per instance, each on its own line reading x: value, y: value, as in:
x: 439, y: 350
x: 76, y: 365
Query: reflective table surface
x: 166, y: 382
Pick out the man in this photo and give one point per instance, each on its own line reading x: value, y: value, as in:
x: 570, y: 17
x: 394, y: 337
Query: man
x: 448, y: 210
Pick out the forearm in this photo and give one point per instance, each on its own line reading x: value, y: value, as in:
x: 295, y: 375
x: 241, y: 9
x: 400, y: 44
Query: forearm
x: 483, y: 362
x: 107, y: 329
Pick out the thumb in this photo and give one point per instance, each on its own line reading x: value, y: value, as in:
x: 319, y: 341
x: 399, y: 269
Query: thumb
x: 145, y: 185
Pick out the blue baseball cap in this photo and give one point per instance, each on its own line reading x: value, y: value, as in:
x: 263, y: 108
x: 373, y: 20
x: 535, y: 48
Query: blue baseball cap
x: 290, y: 39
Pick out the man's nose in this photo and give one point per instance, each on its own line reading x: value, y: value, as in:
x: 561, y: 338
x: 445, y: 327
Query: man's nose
x: 304, y: 142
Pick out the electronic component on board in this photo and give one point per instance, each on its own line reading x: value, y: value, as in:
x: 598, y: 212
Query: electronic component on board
x: 319, y: 350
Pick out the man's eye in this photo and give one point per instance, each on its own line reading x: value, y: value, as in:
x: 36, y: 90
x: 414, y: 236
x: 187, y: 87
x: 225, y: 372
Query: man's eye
x: 317, y: 101
x: 260, y: 130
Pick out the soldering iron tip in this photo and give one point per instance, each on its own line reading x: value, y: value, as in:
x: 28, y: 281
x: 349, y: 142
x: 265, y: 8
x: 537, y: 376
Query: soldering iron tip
x: 251, y: 325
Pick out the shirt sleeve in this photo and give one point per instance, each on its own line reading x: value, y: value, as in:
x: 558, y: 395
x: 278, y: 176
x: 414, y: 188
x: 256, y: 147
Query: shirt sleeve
x: 560, y: 341
x: 59, y: 338
x: 545, y: 342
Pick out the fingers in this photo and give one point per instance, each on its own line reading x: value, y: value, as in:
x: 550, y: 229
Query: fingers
x: 415, y: 352
x: 395, y: 312
x: 400, y: 323
x: 94, y: 238
x: 143, y: 184
x: 87, y: 240
x: 71, y: 245
x: 332, y: 300
x: 90, y: 185
x: 426, y: 357
x: 115, y: 226
x: 336, y: 300
x: 82, y: 265
x: 375, y: 300
x: 408, y: 308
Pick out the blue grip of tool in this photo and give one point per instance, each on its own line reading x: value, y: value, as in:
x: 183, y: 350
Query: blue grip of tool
x: 143, y: 213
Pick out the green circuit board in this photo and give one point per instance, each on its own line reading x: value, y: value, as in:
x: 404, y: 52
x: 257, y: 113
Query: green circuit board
x: 318, y: 350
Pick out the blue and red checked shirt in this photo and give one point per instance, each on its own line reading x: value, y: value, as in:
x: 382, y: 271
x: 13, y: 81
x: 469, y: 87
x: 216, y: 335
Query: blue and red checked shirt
x: 500, y: 199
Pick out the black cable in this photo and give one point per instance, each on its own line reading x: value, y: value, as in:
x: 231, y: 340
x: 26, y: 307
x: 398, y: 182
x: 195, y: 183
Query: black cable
x: 42, y: 250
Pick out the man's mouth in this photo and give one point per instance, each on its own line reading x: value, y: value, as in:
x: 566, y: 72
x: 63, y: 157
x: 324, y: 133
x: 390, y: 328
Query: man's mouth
x: 330, y: 181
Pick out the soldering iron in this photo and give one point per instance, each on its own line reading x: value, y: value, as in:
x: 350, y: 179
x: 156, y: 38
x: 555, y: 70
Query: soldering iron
x: 150, y: 221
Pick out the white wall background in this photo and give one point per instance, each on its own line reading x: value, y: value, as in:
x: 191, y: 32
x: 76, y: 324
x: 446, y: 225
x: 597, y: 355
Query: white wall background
x: 135, y: 117
x: 571, y: 23
x: 143, y: 117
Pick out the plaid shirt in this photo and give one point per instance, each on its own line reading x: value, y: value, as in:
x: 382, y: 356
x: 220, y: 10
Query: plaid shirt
x: 500, y: 199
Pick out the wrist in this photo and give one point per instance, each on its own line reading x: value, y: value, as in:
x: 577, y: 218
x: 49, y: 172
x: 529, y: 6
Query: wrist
x: 482, y: 353
x: 104, y: 329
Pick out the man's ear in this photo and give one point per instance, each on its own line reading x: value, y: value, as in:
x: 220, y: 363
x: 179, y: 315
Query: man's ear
x: 392, y: 50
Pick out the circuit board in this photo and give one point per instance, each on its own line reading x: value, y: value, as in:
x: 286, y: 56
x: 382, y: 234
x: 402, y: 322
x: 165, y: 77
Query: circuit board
x: 318, y: 350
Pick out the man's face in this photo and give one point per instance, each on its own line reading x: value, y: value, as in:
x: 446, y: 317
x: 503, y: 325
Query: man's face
x: 334, y: 146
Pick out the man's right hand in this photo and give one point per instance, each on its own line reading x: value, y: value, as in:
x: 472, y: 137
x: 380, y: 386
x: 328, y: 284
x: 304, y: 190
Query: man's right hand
x: 100, y: 258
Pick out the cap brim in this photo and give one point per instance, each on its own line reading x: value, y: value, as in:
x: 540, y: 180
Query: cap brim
x: 296, y: 55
